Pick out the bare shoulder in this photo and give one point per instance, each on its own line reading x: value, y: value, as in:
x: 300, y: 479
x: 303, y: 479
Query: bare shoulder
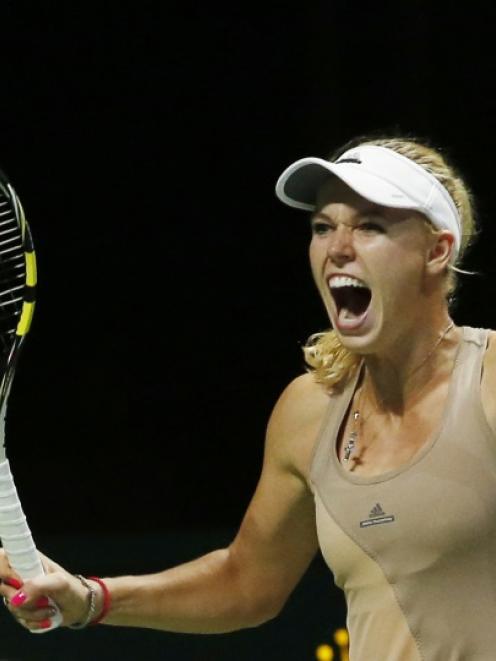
x: 295, y: 422
x: 488, y: 384
x: 491, y: 348
x: 490, y: 355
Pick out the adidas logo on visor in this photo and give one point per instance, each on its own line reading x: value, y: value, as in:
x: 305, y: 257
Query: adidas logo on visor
x: 351, y: 157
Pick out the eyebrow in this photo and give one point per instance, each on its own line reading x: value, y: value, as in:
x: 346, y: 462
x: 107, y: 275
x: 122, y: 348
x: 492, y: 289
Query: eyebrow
x: 374, y: 209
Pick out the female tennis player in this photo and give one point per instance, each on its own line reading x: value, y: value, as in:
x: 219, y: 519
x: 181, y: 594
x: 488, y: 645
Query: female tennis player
x: 383, y: 454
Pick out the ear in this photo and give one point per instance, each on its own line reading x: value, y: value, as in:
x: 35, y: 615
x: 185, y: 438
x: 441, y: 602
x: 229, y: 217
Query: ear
x: 439, y: 254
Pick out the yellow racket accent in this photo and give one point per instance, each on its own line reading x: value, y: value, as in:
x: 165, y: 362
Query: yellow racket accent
x: 25, y: 320
x: 31, y: 275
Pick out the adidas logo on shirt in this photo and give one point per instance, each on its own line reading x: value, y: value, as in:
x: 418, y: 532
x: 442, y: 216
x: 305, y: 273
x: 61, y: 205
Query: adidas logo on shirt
x: 377, y: 516
x: 376, y: 511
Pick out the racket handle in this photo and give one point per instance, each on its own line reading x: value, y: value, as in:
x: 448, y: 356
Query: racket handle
x: 16, y: 537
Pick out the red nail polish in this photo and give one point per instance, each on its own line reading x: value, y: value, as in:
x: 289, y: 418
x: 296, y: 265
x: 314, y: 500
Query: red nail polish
x: 45, y: 624
x: 18, y: 599
x: 13, y: 582
x: 42, y: 602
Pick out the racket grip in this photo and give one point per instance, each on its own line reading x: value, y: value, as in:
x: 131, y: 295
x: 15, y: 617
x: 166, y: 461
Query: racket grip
x: 16, y: 537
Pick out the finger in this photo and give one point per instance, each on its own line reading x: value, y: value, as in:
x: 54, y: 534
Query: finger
x: 35, y: 626
x: 21, y: 606
x: 22, y: 622
x: 32, y: 617
x: 7, y: 592
x: 37, y: 615
x: 36, y: 599
x: 33, y: 593
x: 19, y: 599
x: 12, y: 582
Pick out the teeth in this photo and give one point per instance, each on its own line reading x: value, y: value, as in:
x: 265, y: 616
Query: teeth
x: 344, y: 281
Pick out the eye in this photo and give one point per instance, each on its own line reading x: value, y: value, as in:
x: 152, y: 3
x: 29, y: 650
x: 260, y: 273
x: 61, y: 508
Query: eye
x: 371, y: 227
x: 320, y: 227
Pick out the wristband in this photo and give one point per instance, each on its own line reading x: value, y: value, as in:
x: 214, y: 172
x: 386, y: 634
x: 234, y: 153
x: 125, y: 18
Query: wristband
x: 107, y: 599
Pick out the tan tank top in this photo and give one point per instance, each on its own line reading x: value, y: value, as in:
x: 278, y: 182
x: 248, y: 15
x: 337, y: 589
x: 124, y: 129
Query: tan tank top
x: 414, y: 549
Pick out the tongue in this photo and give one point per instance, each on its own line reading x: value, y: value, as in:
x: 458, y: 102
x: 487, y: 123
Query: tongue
x: 345, y: 314
x: 350, y: 319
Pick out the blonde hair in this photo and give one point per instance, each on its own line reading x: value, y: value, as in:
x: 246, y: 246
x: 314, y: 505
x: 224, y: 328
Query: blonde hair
x: 331, y: 363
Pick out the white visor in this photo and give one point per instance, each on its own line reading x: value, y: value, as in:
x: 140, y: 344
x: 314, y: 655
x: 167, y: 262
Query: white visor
x: 381, y: 176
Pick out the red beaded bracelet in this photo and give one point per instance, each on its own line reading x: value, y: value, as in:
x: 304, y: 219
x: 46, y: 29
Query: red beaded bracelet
x: 107, y: 599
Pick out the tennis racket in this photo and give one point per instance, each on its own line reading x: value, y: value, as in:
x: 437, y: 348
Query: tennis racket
x: 17, y: 299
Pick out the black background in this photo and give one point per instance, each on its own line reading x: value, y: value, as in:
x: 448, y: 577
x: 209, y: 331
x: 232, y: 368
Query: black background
x: 174, y: 296
x: 145, y: 140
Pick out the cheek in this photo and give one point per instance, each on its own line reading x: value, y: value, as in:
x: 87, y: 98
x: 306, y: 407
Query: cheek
x: 401, y: 277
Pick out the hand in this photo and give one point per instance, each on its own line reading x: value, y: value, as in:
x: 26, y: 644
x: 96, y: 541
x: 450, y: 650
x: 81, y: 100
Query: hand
x: 28, y: 600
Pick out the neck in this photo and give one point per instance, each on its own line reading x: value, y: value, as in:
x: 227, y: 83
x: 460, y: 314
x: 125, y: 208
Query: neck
x: 416, y: 359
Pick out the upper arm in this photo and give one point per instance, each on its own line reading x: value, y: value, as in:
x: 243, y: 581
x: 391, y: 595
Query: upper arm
x: 277, y: 539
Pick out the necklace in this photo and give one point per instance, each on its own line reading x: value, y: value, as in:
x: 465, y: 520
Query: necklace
x: 350, y: 447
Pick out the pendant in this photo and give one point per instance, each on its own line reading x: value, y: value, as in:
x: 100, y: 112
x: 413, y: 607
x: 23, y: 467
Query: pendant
x: 350, y: 445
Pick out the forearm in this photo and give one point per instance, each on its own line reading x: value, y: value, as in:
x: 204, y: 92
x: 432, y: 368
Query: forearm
x: 207, y: 595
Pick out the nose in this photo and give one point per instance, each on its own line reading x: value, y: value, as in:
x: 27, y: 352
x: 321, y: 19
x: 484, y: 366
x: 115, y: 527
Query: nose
x: 340, y: 247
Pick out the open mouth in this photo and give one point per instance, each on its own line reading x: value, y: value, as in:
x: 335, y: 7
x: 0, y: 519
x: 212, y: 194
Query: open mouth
x: 352, y: 298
